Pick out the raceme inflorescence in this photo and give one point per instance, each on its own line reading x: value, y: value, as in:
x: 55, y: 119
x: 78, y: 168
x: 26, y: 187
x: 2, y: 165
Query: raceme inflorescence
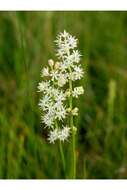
x: 58, y: 90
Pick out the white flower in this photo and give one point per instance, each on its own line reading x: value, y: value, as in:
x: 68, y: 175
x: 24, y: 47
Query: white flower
x: 53, y: 92
x: 51, y: 63
x: 56, y: 134
x: 54, y: 74
x: 47, y: 120
x: 78, y: 73
x: 65, y: 43
x: 64, y: 66
x: 60, y: 53
x: 77, y: 91
x: 76, y: 56
x: 51, y: 112
x: 59, y: 74
x: 72, y: 76
x: 45, y: 72
x: 53, y: 136
x: 45, y: 102
x: 59, y: 96
x: 48, y: 91
x: 69, y: 61
x: 66, y: 38
x: 64, y: 133
x: 62, y: 79
x: 64, y: 34
x: 60, y: 112
x: 43, y: 86
x: 72, y: 42
x: 61, y: 37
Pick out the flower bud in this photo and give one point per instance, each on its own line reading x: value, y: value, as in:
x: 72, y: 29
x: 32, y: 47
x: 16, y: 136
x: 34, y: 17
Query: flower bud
x: 50, y: 62
x: 74, y: 129
x: 75, y: 111
x: 57, y: 65
x: 68, y: 110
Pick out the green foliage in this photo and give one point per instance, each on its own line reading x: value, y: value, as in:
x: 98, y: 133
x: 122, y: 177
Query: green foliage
x: 26, y: 43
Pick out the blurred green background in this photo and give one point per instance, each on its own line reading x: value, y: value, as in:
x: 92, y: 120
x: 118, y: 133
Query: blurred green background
x: 26, y: 43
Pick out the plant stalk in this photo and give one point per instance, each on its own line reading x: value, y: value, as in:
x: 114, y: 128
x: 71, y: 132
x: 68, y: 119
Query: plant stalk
x: 61, y: 153
x: 73, y: 169
x: 62, y: 157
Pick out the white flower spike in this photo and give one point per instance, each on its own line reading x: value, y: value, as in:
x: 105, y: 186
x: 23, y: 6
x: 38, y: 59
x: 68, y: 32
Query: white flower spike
x: 55, y: 88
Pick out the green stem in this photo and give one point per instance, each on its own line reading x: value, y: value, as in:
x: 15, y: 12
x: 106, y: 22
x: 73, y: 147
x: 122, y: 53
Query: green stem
x: 73, y: 169
x: 62, y: 157
x: 61, y: 152
x: 61, y: 149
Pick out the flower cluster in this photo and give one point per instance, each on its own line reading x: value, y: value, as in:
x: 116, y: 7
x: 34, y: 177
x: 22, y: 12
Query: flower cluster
x: 55, y: 87
x: 59, y: 134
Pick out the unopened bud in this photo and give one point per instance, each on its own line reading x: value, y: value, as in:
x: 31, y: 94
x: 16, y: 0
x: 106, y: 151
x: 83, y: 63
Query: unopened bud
x: 68, y: 110
x: 75, y: 111
x: 57, y: 65
x: 74, y: 129
x: 50, y: 62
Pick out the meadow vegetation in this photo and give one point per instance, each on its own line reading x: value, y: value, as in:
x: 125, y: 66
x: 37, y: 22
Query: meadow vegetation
x: 26, y: 44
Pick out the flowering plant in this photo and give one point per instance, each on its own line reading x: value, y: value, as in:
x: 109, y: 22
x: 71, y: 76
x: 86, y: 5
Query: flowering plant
x: 58, y: 91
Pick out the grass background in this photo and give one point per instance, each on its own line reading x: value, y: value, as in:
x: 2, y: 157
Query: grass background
x: 26, y: 43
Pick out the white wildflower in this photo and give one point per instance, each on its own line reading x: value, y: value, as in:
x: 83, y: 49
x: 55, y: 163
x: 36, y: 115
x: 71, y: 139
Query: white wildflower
x: 69, y: 61
x: 43, y: 86
x: 65, y: 43
x: 60, y: 113
x: 63, y: 66
x: 48, y: 90
x: 77, y: 91
x: 64, y: 133
x: 47, y: 120
x: 62, y: 79
x: 60, y: 53
x: 72, y: 76
x: 76, y: 56
x: 78, y: 73
x: 54, y: 92
x: 72, y: 42
x: 54, y: 74
x: 45, y: 72
x: 59, y: 96
x: 53, y: 136
x: 64, y: 34
x: 78, y: 69
x: 56, y: 87
x: 45, y: 102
